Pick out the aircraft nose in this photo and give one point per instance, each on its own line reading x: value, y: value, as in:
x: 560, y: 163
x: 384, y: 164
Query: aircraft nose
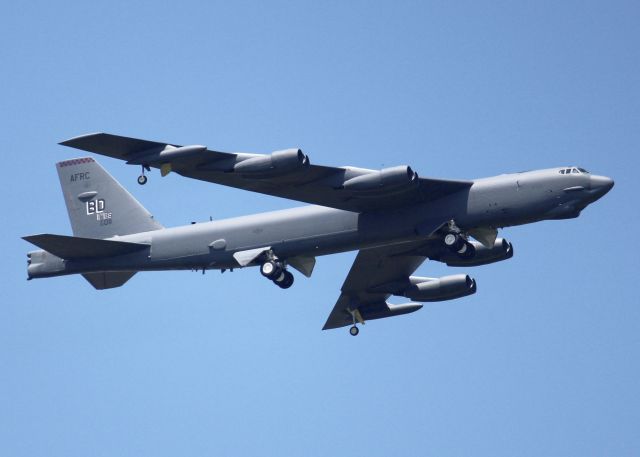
x: 600, y: 185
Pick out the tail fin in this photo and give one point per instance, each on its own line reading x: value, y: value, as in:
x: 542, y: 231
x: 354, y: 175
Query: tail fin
x: 98, y: 206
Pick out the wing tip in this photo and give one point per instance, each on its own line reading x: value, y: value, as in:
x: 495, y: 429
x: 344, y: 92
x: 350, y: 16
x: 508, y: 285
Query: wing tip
x: 72, y: 141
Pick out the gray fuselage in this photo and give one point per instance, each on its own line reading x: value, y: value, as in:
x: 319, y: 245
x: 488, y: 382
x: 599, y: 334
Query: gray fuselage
x: 310, y: 231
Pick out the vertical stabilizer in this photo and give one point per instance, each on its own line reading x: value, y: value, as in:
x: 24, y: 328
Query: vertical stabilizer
x: 98, y: 206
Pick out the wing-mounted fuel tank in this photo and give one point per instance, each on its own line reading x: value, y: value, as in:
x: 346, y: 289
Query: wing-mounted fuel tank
x: 421, y: 289
x: 440, y: 289
x: 393, y: 179
x: 501, y: 250
x: 277, y: 163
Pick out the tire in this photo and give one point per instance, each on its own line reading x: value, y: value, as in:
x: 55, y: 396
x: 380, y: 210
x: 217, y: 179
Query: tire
x: 353, y: 331
x: 469, y: 252
x: 288, y: 280
x: 142, y: 180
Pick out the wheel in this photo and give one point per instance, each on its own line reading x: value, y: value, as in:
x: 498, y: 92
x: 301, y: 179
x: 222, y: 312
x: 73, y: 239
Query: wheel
x: 268, y: 269
x: 285, y: 280
x: 142, y: 180
x: 271, y: 269
x: 454, y: 241
x: 469, y: 251
x: 354, y: 331
x: 450, y: 239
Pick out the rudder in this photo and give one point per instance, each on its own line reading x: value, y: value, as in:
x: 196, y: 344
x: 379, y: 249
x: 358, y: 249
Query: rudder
x: 98, y: 206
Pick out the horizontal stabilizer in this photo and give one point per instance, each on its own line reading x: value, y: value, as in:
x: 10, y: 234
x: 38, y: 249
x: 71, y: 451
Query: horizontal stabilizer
x: 72, y: 247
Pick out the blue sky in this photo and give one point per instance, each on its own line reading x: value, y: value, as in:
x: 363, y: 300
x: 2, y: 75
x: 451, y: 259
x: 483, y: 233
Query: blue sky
x: 542, y: 361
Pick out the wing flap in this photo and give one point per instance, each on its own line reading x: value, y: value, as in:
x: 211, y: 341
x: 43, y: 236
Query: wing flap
x: 72, y: 247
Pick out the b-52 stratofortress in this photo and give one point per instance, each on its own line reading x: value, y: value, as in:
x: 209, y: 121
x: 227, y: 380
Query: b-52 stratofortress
x: 393, y: 217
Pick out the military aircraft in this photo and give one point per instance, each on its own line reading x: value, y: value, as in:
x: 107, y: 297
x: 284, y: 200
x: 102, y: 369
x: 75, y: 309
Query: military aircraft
x: 393, y: 217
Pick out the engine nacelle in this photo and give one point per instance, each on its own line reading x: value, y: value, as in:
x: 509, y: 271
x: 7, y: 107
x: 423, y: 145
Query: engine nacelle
x: 440, y: 289
x: 389, y: 179
x: 275, y: 164
x: 501, y: 250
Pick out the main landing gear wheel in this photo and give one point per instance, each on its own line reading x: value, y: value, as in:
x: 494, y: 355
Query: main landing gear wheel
x: 468, y: 252
x: 285, y: 280
x: 353, y: 331
x: 454, y: 241
x: 271, y: 269
x: 450, y: 239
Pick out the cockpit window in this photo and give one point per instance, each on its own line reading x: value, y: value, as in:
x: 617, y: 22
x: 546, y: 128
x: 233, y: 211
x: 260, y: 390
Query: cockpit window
x: 574, y: 170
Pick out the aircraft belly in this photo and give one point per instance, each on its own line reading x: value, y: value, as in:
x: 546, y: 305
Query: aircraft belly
x: 317, y: 244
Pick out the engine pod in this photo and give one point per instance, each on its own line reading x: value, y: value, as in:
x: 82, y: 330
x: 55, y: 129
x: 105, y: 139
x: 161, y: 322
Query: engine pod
x: 394, y: 179
x: 501, y: 250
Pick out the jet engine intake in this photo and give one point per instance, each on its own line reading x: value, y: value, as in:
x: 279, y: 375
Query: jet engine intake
x: 275, y: 164
x: 501, y: 250
x: 440, y: 289
x: 389, y: 179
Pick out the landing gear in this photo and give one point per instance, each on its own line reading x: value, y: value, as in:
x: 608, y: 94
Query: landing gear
x: 357, y: 317
x: 454, y: 241
x: 285, y: 280
x: 457, y: 242
x: 274, y: 270
x: 142, y: 179
x: 271, y: 269
x: 468, y: 251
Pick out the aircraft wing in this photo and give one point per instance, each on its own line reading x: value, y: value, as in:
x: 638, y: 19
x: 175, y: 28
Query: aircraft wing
x: 286, y: 174
x: 374, y: 268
